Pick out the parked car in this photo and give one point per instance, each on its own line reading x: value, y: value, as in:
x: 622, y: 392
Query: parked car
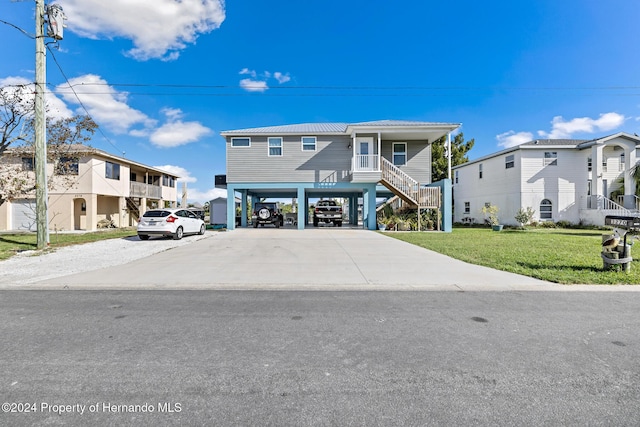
x: 169, y: 222
x: 327, y: 211
x: 266, y: 213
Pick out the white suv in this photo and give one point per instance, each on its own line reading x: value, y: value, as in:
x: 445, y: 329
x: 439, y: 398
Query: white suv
x: 169, y: 222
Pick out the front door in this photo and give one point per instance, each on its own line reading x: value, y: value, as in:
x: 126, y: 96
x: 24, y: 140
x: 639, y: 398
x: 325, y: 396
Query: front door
x: 364, y: 153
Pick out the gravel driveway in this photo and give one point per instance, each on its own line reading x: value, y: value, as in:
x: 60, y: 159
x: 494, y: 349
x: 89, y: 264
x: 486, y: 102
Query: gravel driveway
x: 30, y: 266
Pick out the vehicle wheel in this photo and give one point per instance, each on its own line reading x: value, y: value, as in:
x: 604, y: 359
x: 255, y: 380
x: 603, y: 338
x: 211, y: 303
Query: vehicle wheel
x: 339, y: 224
x: 202, y: 229
x: 143, y: 237
x: 315, y: 222
x: 277, y: 224
x: 179, y: 234
x: 255, y: 224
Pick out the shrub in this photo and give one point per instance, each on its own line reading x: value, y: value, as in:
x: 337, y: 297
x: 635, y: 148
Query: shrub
x: 524, y: 216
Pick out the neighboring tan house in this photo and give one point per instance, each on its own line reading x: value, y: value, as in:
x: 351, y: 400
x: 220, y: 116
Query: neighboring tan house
x: 89, y: 185
x: 562, y: 180
x: 353, y: 161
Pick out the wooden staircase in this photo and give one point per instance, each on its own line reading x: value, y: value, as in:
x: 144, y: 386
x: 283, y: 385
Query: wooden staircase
x: 407, y: 188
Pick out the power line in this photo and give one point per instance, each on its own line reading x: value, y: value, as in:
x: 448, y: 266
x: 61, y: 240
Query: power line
x: 80, y: 101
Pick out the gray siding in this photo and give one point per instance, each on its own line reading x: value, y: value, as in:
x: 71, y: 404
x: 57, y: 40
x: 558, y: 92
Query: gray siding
x: 418, y: 164
x: 331, y: 162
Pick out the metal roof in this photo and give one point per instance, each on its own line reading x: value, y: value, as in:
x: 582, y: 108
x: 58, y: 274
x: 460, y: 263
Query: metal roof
x: 302, y: 128
x: 568, y: 142
x: 333, y: 128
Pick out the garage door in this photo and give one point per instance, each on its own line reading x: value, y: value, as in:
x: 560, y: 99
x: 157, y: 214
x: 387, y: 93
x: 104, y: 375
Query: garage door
x: 23, y: 214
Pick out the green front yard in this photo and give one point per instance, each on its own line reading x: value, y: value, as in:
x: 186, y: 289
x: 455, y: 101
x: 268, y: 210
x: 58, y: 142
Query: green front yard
x: 557, y: 255
x: 10, y: 244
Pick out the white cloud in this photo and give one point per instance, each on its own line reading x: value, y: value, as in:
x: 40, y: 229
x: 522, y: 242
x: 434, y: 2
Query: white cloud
x: 184, y: 175
x: 511, y: 138
x: 562, y: 128
x: 106, y: 106
x: 176, y: 132
x: 157, y: 28
x: 253, y: 85
x: 259, y: 83
x: 247, y: 71
x: 281, y: 78
x: 194, y: 195
x: 56, y: 108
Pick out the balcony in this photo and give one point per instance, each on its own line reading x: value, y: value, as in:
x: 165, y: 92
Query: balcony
x: 140, y: 189
x: 366, y: 168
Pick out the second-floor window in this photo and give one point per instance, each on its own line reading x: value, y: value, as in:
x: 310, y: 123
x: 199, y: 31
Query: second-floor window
x: 589, y: 164
x: 399, y: 153
x: 112, y: 170
x: 456, y: 176
x: 480, y: 171
x: 168, y: 181
x: 275, y: 147
x: 509, y: 161
x: 308, y: 143
x: 551, y: 158
x: 241, y: 142
x: 27, y: 163
x: 67, y: 166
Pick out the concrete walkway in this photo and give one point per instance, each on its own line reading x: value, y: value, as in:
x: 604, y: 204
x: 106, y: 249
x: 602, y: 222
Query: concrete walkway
x: 323, y: 258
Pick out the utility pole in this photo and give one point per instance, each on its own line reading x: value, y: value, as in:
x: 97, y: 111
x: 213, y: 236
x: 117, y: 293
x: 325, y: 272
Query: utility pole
x: 42, y: 222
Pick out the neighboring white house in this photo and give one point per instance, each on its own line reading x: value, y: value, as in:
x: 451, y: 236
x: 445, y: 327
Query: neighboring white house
x: 570, y: 180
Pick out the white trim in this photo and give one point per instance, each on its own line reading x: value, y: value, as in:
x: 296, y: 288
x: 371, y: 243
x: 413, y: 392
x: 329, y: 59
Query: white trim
x: 241, y: 146
x: 315, y: 143
x: 269, y: 146
x: 393, y: 153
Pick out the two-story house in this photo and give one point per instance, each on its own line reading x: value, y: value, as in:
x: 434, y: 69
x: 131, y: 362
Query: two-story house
x: 89, y: 185
x: 353, y: 161
x: 562, y: 180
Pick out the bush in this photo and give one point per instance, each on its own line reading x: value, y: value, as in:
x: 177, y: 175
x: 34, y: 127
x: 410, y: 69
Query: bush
x: 524, y: 216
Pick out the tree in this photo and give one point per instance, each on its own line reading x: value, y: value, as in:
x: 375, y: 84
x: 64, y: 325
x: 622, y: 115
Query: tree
x: 65, y: 136
x: 16, y: 110
x: 459, y: 150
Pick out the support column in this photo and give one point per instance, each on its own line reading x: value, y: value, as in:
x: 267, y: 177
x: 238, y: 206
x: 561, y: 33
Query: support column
x: 301, y: 209
x: 231, y: 208
x: 122, y: 204
x: 596, y: 174
x: 244, y: 208
x: 629, y: 182
x: 369, y: 208
x: 92, y: 212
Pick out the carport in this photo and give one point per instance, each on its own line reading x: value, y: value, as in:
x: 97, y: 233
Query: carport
x: 355, y: 194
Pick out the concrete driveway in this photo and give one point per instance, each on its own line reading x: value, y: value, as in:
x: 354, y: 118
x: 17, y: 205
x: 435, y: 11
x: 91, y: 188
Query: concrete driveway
x: 323, y: 258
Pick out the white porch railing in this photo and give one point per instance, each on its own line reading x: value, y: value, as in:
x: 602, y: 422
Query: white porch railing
x: 606, y: 204
x: 366, y: 163
x: 635, y: 198
x: 408, y: 188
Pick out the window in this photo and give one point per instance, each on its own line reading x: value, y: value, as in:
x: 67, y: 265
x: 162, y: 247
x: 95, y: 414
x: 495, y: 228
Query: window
x: 550, y: 158
x: 308, y: 143
x: 546, y: 210
x: 241, y: 142
x: 480, y: 170
x: 133, y: 177
x: 67, y: 166
x: 467, y: 207
x: 399, y: 153
x: 112, y: 170
x: 456, y: 176
x: 589, y: 164
x: 509, y: 161
x: 621, y: 165
x: 27, y: 163
x: 604, y: 164
x: 275, y: 147
x: 168, y: 181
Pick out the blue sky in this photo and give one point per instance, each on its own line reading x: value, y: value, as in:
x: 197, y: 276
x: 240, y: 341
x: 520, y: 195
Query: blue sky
x: 163, y: 79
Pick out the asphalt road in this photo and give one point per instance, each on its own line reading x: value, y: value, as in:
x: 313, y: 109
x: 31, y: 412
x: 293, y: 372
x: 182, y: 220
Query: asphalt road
x: 307, y: 358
